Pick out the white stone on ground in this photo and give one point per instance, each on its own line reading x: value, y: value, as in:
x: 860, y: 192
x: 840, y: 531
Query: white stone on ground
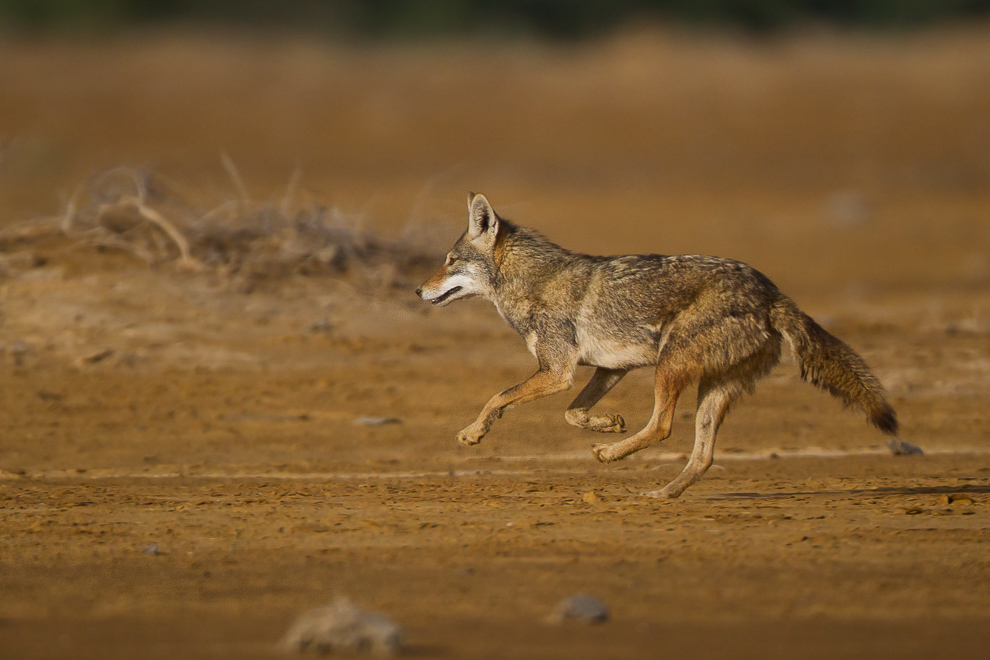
x: 342, y: 626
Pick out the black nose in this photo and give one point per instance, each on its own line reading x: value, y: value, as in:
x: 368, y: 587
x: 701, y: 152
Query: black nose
x: 419, y: 292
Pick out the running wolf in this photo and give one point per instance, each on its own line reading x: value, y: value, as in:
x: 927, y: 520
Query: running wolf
x: 713, y: 320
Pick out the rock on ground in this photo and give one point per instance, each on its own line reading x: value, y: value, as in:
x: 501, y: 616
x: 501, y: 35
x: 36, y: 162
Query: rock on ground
x: 342, y: 626
x: 581, y: 608
x: 899, y: 447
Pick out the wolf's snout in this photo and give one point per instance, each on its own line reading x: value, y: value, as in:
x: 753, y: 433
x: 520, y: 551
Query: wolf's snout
x: 419, y: 292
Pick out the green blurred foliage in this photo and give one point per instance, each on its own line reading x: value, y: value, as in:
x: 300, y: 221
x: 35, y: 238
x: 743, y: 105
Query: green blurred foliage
x: 424, y: 18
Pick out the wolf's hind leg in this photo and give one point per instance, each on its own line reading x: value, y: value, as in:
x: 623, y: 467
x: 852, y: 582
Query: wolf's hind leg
x: 714, y: 399
x: 668, y: 387
x: 577, y: 413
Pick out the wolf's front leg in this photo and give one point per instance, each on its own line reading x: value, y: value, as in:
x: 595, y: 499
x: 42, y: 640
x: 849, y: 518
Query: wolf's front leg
x: 543, y: 383
x: 473, y: 434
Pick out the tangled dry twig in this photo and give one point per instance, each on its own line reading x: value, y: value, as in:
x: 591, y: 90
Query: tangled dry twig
x: 141, y: 213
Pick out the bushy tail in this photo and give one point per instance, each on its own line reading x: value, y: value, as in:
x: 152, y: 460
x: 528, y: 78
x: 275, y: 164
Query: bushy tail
x: 831, y: 365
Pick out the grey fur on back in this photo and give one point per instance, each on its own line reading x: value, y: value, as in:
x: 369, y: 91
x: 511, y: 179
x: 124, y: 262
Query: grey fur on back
x: 632, y: 300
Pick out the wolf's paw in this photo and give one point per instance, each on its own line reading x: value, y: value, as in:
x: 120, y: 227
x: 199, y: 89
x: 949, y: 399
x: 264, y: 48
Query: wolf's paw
x: 472, y: 435
x: 603, y: 453
x: 607, y: 423
x: 663, y: 494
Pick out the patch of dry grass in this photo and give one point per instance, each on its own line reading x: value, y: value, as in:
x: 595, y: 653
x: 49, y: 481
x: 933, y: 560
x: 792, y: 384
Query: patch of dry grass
x: 242, y: 241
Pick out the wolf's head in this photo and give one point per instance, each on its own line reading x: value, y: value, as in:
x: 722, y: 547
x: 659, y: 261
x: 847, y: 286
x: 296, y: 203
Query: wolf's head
x: 469, y: 269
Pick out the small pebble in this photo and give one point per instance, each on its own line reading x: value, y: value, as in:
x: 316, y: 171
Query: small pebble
x: 581, y: 608
x: 151, y: 549
x: 19, y: 351
x: 377, y: 421
x: 900, y: 447
x: 846, y: 208
x: 322, y: 326
x: 98, y: 356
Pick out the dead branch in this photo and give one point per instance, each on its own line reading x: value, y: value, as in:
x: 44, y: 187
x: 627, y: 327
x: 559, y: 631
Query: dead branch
x: 240, y: 241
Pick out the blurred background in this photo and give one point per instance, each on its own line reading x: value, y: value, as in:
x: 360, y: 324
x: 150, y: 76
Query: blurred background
x: 213, y: 216
x: 804, y: 135
x: 352, y: 19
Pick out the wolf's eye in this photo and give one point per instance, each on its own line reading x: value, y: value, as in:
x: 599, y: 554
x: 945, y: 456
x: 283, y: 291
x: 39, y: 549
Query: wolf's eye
x: 451, y: 260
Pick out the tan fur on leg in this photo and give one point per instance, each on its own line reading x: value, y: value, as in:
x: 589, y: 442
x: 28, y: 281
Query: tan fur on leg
x: 713, y: 403
x: 667, y: 389
x: 601, y: 382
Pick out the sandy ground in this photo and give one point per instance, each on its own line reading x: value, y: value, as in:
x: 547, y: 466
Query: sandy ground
x: 147, y: 406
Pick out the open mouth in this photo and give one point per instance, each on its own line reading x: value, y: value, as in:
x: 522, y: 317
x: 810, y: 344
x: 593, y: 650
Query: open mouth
x: 443, y: 297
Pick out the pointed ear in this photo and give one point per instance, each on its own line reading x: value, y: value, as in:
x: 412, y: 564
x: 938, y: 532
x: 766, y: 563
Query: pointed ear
x: 482, y: 221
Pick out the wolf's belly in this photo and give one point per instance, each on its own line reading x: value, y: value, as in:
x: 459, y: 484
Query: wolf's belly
x: 615, y: 353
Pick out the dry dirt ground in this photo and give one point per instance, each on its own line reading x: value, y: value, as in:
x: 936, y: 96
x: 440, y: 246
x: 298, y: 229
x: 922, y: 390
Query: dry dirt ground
x: 150, y: 406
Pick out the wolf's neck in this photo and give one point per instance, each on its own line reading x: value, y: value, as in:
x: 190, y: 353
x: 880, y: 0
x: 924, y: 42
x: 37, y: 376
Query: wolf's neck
x: 529, y: 265
x: 526, y: 256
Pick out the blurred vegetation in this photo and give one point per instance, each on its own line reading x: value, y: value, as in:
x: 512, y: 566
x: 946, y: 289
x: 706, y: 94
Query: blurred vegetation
x: 425, y: 18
